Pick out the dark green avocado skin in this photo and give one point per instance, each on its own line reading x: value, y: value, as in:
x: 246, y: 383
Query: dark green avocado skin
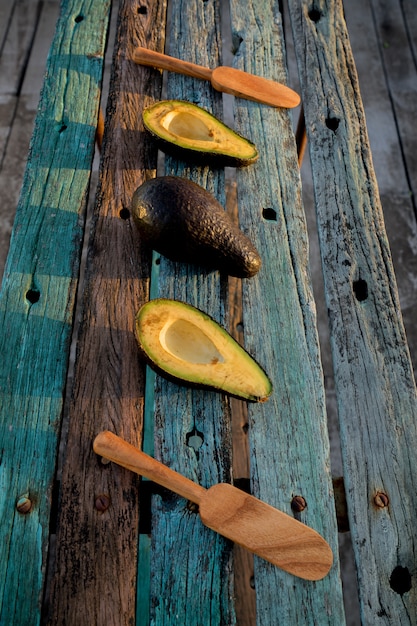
x: 184, y: 222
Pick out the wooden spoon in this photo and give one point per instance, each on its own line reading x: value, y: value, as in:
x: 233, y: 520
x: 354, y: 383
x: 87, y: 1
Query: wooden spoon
x: 255, y: 525
x: 225, y: 79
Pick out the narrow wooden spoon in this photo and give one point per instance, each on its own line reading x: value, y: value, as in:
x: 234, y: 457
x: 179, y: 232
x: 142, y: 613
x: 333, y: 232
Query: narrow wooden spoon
x: 225, y: 79
x: 255, y: 525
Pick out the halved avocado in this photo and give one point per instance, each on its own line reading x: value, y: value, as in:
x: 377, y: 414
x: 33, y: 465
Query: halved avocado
x: 182, y: 127
x: 186, y: 345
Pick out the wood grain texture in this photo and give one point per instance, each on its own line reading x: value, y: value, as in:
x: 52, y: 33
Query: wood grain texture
x: 23, y: 53
x: 37, y: 301
x: 95, y: 570
x: 288, y: 435
x: 374, y: 380
x: 202, y: 584
x: 239, y: 516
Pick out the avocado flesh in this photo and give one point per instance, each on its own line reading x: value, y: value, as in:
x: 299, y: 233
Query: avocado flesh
x: 185, y: 344
x: 183, y: 127
x: 184, y: 222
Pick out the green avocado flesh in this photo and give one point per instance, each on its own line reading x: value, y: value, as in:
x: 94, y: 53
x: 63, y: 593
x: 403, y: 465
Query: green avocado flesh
x: 186, y: 345
x: 184, y: 222
x: 183, y: 126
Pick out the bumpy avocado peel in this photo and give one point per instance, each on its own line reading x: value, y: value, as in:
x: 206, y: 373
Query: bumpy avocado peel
x: 183, y: 129
x: 184, y: 222
x: 186, y: 345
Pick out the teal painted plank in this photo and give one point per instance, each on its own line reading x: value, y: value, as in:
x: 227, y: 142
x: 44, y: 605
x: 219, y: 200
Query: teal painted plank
x: 191, y: 581
x: 375, y: 386
x: 288, y: 434
x: 37, y: 299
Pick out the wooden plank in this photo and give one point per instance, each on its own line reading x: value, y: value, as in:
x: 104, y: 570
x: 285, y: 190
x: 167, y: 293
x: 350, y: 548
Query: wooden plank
x: 37, y: 299
x: 410, y: 20
x: 202, y: 584
x: 401, y: 74
x: 280, y: 329
x: 17, y: 43
x: 17, y: 115
x: 95, y: 570
x: 390, y: 101
x: 6, y: 13
x: 376, y: 391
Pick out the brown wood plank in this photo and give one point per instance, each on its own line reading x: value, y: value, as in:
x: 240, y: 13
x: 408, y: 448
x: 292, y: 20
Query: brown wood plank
x: 95, y: 570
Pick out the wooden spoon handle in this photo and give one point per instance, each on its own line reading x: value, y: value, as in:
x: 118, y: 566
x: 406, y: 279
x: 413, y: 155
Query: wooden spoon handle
x: 115, y: 449
x: 143, y: 56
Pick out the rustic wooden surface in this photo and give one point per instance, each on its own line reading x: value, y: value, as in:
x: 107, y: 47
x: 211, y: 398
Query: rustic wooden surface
x: 382, y: 39
x: 97, y: 532
x: 179, y: 411
x: 281, y: 432
x: 26, y: 31
x: 375, y: 386
x: 37, y: 301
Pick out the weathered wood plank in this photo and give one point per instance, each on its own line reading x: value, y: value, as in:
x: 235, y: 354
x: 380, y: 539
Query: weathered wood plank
x: 288, y: 434
x: 17, y: 115
x: 202, y: 585
x: 389, y: 91
x: 374, y: 380
x: 95, y: 570
x: 401, y: 75
x: 6, y: 13
x: 37, y: 299
x: 20, y: 28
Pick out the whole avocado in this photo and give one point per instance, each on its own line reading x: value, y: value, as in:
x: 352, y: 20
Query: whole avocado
x: 184, y: 222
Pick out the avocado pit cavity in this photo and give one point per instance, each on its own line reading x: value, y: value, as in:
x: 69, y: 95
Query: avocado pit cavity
x: 185, y: 341
x: 188, y: 126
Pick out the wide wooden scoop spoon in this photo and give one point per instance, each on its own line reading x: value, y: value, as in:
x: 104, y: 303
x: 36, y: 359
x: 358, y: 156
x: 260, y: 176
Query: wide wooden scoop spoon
x: 255, y: 525
x: 225, y: 79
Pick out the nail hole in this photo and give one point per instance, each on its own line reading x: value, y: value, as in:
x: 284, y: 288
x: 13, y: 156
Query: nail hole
x: 33, y: 295
x: 252, y: 582
x: 236, y: 41
x: 194, y: 439
x: 332, y: 123
x: 269, y: 214
x: 124, y: 214
x: 245, y: 428
x: 314, y: 15
x: 79, y: 19
x: 158, y: 261
x: 142, y: 10
x: 360, y: 289
x: 239, y: 327
x: 400, y: 580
